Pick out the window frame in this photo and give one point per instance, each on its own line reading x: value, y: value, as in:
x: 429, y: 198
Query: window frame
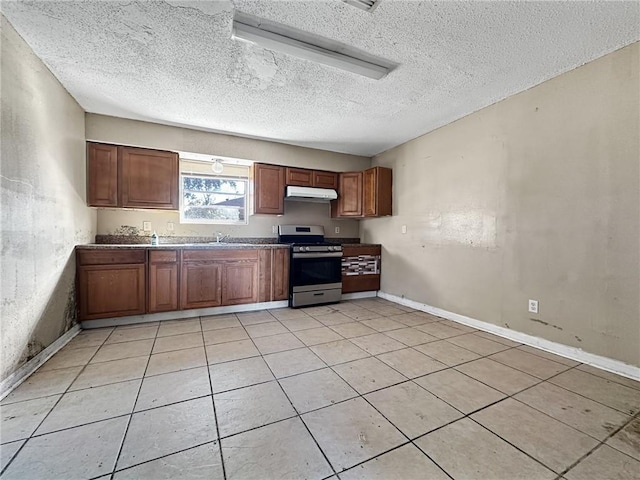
x: 201, y: 221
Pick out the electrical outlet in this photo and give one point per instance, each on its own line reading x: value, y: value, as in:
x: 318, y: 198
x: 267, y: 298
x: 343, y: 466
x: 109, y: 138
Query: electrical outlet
x: 146, y: 226
x: 533, y: 306
x: 170, y: 226
x: 404, y: 229
x: 337, y: 230
x: 274, y: 229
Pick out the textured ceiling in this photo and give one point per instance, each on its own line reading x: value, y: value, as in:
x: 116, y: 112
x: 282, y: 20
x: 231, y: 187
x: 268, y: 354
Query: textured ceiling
x: 175, y: 63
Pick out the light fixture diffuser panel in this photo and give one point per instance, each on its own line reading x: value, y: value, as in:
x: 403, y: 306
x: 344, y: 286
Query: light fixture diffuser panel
x: 307, y: 51
x: 368, y: 5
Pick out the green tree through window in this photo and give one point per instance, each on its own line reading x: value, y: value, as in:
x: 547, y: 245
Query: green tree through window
x: 211, y: 199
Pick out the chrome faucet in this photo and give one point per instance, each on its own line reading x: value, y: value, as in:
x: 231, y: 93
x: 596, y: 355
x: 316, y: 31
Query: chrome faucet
x: 220, y: 237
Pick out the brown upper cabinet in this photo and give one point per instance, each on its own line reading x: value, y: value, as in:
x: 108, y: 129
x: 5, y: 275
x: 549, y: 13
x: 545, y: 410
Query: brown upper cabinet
x: 377, y: 192
x: 302, y: 177
x: 349, y: 202
x: 120, y: 176
x: 102, y: 175
x: 268, y: 188
x: 148, y: 178
x: 364, y: 194
x: 360, y: 194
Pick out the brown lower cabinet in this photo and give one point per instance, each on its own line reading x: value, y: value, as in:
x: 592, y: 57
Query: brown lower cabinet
x: 211, y: 278
x: 111, y: 283
x: 273, y: 275
x: 163, y: 281
x: 201, y: 285
x: 240, y: 282
x: 280, y: 274
x: 360, y: 268
x: 114, y: 282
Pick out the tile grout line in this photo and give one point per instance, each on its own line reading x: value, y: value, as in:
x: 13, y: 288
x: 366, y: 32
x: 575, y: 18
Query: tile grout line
x: 372, y: 392
x: 410, y: 441
x: 608, y: 379
x: 153, y: 459
x: 363, y: 397
x: 213, y: 404
x: 298, y: 415
x: 471, y: 413
x: 359, y: 395
x: 600, y: 444
x: 15, y: 455
x: 126, y: 430
x: 544, y: 413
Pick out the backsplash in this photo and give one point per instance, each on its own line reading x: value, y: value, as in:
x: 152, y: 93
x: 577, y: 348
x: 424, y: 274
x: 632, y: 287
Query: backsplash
x: 146, y: 239
x: 129, y: 223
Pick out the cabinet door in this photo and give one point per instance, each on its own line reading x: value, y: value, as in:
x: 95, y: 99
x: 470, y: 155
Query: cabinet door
x: 240, y: 283
x: 106, y: 291
x: 325, y: 179
x: 363, y: 265
x: 163, y: 281
x: 148, y: 178
x: 299, y: 177
x: 349, y: 203
x: 265, y: 261
x: 280, y: 274
x: 102, y: 175
x: 370, y: 182
x: 268, y: 188
x: 377, y: 192
x: 200, y: 285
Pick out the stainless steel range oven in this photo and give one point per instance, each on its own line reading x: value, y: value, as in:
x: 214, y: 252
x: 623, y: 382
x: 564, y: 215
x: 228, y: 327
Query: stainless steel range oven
x: 315, y: 275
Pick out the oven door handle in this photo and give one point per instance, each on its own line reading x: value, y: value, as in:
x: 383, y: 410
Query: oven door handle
x: 318, y: 255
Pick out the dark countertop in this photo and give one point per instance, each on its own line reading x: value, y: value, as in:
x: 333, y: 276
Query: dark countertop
x: 361, y: 245
x: 194, y: 240
x: 183, y: 246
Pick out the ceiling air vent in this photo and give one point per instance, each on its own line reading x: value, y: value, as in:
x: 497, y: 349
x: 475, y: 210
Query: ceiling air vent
x: 368, y: 5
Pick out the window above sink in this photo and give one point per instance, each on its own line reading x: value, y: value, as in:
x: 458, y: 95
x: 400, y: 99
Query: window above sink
x: 207, y: 197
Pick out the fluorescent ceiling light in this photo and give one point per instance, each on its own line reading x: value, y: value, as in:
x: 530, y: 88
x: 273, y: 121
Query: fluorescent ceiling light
x: 367, y: 5
x: 307, y: 51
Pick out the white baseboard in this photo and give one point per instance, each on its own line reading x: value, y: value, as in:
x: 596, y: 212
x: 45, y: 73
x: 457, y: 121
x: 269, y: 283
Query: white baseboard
x: 180, y: 314
x: 577, y: 354
x: 357, y: 295
x: 20, y: 375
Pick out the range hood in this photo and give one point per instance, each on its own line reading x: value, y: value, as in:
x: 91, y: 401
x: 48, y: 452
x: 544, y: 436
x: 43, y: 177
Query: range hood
x: 308, y: 194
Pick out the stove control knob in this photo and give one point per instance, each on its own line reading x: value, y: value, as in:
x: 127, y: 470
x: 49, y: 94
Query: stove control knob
x: 307, y: 248
x: 330, y: 249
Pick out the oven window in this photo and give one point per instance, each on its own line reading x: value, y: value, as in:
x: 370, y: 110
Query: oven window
x: 315, y: 271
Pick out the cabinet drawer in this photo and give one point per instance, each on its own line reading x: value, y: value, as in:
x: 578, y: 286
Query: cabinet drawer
x: 163, y: 256
x: 219, y: 255
x: 360, y: 283
x: 353, y: 251
x: 325, y: 179
x: 299, y: 177
x: 110, y: 256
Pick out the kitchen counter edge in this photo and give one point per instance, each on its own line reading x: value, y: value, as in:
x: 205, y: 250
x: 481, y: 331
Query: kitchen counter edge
x: 182, y: 246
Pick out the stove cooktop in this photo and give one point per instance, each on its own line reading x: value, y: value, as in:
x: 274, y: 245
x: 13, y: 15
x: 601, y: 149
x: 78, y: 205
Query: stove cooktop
x: 316, y: 247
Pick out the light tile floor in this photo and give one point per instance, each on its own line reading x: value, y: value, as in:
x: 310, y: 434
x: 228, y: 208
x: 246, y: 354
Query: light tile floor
x: 365, y: 389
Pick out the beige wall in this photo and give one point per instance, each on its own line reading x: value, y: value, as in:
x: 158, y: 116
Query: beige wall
x: 536, y: 197
x: 131, y: 132
x: 42, y: 173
